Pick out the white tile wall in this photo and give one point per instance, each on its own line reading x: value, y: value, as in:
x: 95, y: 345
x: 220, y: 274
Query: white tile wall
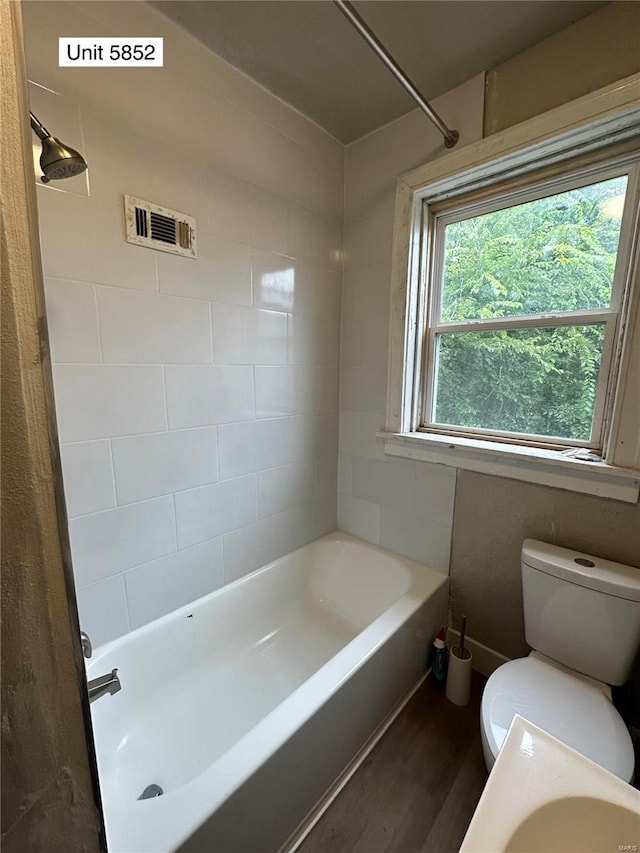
x: 281, y: 283
x: 243, y: 335
x: 325, y: 296
x: 294, y: 390
x: 175, y: 580
x: 73, y: 321
x: 240, y: 209
x: 103, y: 607
x: 401, y: 505
x: 222, y: 272
x: 263, y: 541
x: 314, y: 238
x: 144, y: 328
x: 276, y: 280
x: 100, y: 401
x: 197, y: 400
x: 358, y: 434
x: 365, y: 342
x: 363, y: 389
x: 253, y: 446
x: 207, y: 512
x: 286, y: 487
x: 326, y: 475
x: 118, y: 162
x: 83, y: 239
x: 415, y: 505
x: 360, y: 518
x: 311, y: 434
x: 416, y: 536
x: 88, y: 477
x: 281, y: 391
x: 426, y: 490
x: 369, y: 242
x: 147, y: 466
x: 200, y: 396
x: 366, y: 292
x: 313, y: 341
x: 109, y: 542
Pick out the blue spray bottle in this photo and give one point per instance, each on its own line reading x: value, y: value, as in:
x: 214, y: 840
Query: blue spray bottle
x: 438, y: 675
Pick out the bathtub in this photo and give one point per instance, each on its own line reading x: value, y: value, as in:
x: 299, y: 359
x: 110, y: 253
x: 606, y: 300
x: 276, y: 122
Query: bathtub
x: 246, y: 706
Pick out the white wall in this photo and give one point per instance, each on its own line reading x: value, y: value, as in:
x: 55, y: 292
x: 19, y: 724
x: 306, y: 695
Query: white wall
x: 404, y: 506
x: 196, y: 400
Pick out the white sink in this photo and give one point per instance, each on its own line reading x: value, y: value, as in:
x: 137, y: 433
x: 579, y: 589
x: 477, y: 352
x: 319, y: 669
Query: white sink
x: 544, y: 797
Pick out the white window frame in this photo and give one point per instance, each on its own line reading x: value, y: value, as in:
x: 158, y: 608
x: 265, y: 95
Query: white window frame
x: 434, y: 232
x: 578, y: 132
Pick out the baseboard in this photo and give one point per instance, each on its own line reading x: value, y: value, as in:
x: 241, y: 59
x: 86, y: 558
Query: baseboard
x: 485, y: 660
x: 304, y: 828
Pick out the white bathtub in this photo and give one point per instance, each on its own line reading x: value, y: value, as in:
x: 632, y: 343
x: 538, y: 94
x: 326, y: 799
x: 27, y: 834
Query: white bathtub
x: 248, y: 704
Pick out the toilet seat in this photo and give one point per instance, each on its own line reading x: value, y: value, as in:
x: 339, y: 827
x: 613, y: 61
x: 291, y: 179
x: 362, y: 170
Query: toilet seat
x: 571, y: 708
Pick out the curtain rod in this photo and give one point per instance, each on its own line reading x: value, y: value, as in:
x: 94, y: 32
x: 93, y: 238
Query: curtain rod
x: 450, y: 136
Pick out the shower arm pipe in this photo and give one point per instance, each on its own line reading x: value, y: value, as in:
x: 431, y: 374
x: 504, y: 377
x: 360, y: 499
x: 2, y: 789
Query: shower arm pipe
x: 450, y: 136
x: 38, y: 128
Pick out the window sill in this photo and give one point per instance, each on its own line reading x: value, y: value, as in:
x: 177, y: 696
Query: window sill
x: 530, y: 464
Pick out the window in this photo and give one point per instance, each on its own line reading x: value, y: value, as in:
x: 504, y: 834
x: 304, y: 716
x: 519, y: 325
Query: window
x: 525, y: 292
x: 514, y: 344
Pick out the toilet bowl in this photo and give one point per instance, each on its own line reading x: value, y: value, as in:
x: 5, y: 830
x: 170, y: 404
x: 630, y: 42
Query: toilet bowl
x: 574, y: 709
x: 582, y: 617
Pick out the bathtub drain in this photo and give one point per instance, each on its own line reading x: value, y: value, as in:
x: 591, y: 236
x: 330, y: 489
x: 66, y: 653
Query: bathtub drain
x: 151, y: 791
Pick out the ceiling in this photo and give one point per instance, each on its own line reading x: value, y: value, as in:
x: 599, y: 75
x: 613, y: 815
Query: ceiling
x: 308, y: 54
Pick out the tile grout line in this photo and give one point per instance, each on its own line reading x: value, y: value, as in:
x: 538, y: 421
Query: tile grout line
x: 113, y: 481
x: 166, y: 495
x: 165, y: 400
x: 98, y: 325
x: 127, y: 603
x: 216, y: 425
x: 175, y: 553
x: 175, y: 523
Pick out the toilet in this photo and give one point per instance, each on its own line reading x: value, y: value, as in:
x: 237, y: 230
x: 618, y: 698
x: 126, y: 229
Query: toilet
x: 582, y: 620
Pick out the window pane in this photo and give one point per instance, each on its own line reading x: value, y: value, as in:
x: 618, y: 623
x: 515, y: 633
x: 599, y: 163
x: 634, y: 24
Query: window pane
x: 552, y: 254
x: 539, y: 381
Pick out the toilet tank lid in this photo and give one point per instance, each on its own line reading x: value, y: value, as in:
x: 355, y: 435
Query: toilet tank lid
x: 583, y: 569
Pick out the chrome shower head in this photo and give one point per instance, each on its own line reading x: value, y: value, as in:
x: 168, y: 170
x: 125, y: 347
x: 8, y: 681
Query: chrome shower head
x: 57, y: 160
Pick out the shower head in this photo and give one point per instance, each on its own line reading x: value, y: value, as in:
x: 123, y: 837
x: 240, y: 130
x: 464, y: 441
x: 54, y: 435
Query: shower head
x: 57, y: 160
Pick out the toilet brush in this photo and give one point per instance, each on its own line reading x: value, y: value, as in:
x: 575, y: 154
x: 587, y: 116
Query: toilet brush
x: 461, y: 649
x: 458, y: 688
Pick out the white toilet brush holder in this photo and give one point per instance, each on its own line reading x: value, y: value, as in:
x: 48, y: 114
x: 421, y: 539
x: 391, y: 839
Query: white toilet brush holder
x: 458, y: 688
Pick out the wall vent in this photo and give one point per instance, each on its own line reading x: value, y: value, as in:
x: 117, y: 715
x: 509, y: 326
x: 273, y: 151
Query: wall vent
x: 159, y: 227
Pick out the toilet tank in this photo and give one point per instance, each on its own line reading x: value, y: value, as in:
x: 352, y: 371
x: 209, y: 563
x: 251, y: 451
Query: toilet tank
x: 581, y: 611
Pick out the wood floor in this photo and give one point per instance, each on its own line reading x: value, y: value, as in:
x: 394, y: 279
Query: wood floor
x: 417, y: 790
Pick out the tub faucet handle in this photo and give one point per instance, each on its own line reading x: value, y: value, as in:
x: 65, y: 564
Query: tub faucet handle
x: 87, y: 648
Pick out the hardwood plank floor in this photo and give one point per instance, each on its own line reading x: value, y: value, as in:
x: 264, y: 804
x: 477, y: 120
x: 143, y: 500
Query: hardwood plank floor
x: 417, y: 790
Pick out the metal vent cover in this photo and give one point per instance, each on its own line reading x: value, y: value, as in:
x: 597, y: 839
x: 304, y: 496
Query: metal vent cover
x: 159, y: 227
